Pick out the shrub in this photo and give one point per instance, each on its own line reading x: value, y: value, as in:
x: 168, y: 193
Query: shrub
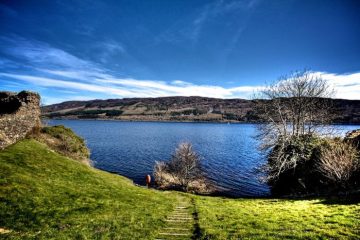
x: 65, y: 141
x: 338, y: 161
x: 182, y: 172
x: 313, y: 165
x: 290, y: 153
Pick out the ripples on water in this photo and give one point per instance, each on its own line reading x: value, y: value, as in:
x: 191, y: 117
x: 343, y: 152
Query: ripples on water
x: 229, y: 151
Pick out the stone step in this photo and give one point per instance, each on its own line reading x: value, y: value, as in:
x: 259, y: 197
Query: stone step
x: 179, y: 224
x: 175, y: 234
x: 177, y: 229
x: 179, y: 218
x: 169, y: 237
x: 179, y: 221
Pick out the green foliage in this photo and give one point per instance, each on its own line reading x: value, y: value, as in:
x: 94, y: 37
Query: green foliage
x: 44, y: 195
x: 68, y: 142
x: 61, y: 132
x: 296, y: 149
x: 290, y: 153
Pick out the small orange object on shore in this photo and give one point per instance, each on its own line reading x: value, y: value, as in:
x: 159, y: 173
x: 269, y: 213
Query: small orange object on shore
x: 148, y: 180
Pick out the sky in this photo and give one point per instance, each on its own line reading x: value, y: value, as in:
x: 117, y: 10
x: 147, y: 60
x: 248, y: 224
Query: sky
x: 92, y: 49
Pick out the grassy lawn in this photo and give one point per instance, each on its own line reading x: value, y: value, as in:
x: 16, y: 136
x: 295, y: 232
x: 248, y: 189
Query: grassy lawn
x: 221, y: 218
x: 44, y: 195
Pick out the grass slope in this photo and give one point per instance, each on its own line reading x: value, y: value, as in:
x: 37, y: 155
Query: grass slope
x: 221, y: 218
x: 44, y: 195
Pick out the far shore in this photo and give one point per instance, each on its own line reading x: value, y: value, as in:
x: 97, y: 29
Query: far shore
x: 176, y: 121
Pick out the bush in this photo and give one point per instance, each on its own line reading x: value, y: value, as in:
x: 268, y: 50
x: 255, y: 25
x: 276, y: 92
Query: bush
x: 313, y: 165
x: 182, y: 172
x: 289, y: 153
x: 290, y: 167
x: 65, y: 141
x: 338, y: 161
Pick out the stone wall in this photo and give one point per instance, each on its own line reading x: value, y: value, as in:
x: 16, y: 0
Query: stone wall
x: 354, y: 138
x: 19, y: 114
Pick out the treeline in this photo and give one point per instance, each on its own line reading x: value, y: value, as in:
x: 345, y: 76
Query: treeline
x: 173, y: 115
x: 87, y: 113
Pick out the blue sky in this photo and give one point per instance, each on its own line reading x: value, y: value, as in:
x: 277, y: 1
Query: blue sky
x: 86, y: 49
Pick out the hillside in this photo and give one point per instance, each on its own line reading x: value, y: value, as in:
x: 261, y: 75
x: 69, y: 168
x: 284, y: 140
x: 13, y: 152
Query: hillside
x: 179, y: 109
x: 44, y: 195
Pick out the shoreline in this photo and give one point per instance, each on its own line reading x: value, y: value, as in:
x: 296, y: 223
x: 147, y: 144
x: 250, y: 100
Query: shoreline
x: 173, y: 121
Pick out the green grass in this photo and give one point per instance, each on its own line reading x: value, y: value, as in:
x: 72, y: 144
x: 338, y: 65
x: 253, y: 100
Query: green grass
x: 64, y: 141
x: 221, y: 218
x: 44, y: 195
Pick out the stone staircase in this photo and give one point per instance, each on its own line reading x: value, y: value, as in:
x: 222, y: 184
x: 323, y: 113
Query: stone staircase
x: 180, y: 224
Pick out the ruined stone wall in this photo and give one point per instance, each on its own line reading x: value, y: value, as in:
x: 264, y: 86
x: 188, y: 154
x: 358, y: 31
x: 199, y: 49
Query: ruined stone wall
x: 354, y: 138
x: 19, y: 114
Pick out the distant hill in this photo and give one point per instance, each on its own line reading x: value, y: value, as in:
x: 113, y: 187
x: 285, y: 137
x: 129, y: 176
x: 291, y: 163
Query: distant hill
x: 179, y: 109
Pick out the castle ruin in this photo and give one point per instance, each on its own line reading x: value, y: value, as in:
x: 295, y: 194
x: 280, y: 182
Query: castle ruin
x: 19, y: 114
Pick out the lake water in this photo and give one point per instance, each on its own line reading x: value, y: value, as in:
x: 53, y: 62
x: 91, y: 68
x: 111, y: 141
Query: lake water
x: 229, y: 151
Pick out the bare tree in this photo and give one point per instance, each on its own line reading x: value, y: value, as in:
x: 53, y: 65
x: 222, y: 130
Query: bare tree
x: 184, y: 167
x: 338, y: 161
x: 293, y: 109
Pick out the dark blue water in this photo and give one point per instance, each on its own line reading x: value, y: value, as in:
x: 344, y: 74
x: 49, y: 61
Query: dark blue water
x: 229, y: 151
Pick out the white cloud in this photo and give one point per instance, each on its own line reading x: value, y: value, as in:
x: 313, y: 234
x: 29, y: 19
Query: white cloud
x: 49, y: 82
x: 48, y: 100
x: 79, y: 74
x: 41, y: 54
x: 109, y: 48
x: 52, y: 67
x: 136, y: 88
x: 218, y: 8
x: 180, y: 83
x: 346, y: 86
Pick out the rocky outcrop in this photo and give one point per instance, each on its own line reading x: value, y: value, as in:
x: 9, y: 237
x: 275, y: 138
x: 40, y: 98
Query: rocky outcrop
x: 19, y: 114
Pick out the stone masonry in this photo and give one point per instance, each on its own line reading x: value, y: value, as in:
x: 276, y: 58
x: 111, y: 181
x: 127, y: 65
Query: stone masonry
x: 19, y: 114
